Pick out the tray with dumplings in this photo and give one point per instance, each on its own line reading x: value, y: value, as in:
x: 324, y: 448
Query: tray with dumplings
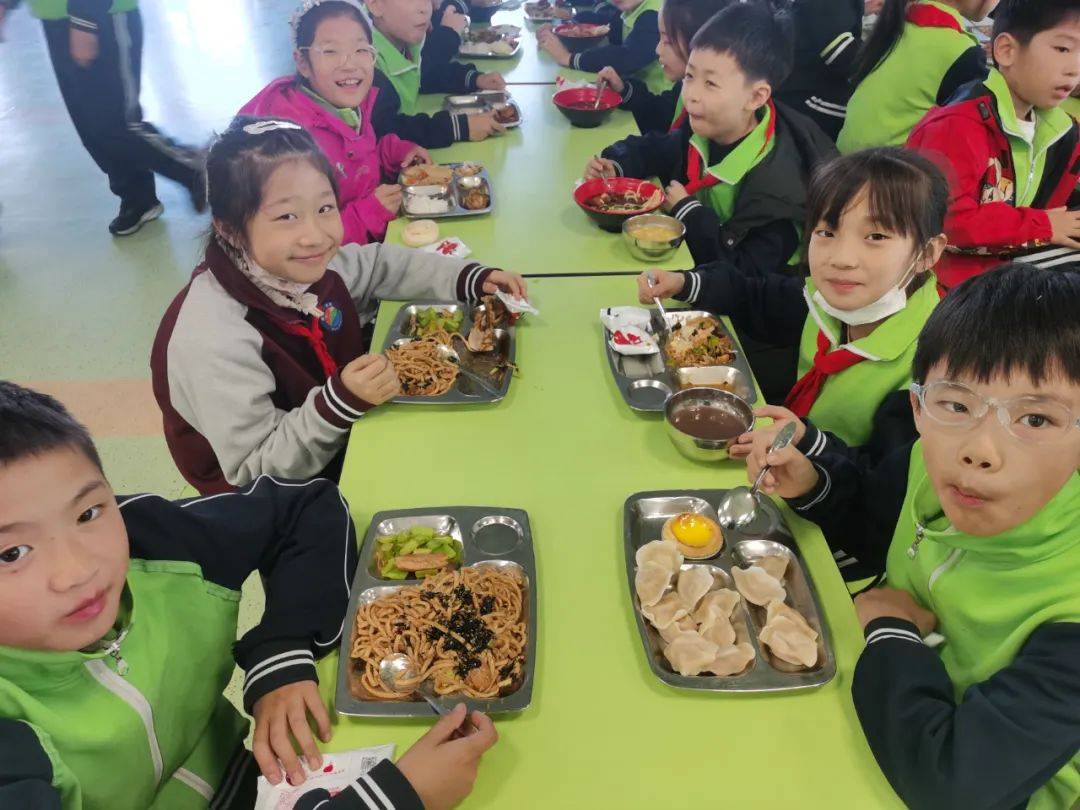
x: 719, y: 610
x: 647, y: 380
x: 468, y: 626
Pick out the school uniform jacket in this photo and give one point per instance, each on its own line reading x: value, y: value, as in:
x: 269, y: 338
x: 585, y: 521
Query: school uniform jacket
x: 770, y: 203
x: 653, y: 112
x: 242, y: 394
x: 1000, y: 187
x: 430, y: 131
x: 991, y: 719
x: 439, y: 72
x: 144, y: 724
x: 631, y: 49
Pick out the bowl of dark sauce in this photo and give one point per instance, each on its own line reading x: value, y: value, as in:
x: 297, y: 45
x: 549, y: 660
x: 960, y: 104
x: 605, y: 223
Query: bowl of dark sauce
x: 703, y: 423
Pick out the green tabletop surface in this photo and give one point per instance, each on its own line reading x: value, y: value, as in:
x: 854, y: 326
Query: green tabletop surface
x: 602, y: 730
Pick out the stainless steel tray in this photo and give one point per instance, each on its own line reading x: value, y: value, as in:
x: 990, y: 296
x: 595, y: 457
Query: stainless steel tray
x: 464, y: 391
x: 487, y: 53
x: 644, y: 514
x: 482, y: 101
x: 646, y: 381
x: 454, y: 193
x: 532, y: 14
x: 489, y: 535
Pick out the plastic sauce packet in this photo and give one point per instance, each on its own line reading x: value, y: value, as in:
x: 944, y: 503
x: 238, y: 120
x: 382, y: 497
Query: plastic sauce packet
x: 631, y: 340
x: 450, y: 246
x: 516, y: 306
x: 618, y: 317
x: 338, y: 772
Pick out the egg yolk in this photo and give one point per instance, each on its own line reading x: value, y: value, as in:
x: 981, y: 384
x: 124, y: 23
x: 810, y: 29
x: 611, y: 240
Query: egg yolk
x: 693, y: 530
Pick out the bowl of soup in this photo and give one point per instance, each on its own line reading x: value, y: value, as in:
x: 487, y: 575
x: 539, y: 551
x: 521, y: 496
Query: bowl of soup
x: 580, y: 37
x: 578, y: 104
x: 610, y: 201
x: 653, y: 237
x: 703, y: 423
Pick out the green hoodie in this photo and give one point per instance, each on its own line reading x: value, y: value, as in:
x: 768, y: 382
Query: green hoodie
x: 653, y: 75
x: 848, y: 400
x: 58, y: 9
x: 401, y: 69
x: 990, y: 593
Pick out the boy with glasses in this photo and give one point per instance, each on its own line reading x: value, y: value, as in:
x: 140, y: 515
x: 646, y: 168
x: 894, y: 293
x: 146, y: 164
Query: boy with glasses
x: 976, y: 527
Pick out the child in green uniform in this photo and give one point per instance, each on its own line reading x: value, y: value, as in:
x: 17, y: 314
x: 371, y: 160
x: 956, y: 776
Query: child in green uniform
x: 874, y: 232
x: 975, y: 528
x: 119, y: 615
x: 916, y: 57
x: 737, y: 166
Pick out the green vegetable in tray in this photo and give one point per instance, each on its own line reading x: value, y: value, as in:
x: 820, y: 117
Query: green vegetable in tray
x: 432, y: 320
x: 419, y: 540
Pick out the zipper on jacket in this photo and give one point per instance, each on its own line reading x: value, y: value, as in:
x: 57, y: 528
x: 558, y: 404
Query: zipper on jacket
x: 113, y: 651
x: 950, y: 561
x: 128, y: 693
x: 920, y: 533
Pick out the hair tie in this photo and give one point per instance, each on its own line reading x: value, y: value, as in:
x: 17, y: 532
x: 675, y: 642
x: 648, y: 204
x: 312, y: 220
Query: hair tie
x: 262, y: 127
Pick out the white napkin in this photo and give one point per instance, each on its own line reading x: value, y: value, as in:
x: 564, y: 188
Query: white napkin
x: 338, y: 772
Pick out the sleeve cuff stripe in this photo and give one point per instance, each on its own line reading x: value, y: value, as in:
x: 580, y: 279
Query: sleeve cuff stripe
x: 618, y: 168
x: 341, y: 420
x: 695, y: 287
x: 685, y: 209
x: 821, y: 495
x: 334, y: 400
x: 883, y: 633
x: 366, y: 796
x: 298, y: 662
x: 818, y: 446
x: 373, y: 788
x: 275, y: 662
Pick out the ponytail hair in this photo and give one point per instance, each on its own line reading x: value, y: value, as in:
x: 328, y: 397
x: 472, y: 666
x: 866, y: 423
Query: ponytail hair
x: 882, y: 40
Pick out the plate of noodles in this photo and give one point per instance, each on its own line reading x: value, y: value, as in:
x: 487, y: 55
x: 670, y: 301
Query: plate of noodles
x: 481, y: 337
x: 470, y: 631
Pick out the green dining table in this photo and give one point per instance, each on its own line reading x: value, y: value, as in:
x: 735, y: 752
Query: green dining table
x: 602, y: 731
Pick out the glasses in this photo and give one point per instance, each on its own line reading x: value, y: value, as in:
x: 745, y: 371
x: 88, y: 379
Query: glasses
x: 339, y: 57
x: 1033, y: 420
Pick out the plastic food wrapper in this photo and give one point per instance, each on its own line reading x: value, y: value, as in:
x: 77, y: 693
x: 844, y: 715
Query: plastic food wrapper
x: 619, y: 317
x: 338, y: 772
x: 516, y: 306
x: 631, y: 341
x: 450, y: 246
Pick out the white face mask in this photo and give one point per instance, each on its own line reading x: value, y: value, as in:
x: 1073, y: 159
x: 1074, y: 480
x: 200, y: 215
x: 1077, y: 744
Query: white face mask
x: 893, y: 301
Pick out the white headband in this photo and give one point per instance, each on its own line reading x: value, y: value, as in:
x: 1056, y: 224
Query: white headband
x: 262, y: 127
x: 308, y: 5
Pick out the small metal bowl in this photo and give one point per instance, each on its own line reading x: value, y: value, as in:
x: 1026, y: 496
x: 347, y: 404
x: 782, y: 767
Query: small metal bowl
x: 697, y: 448
x: 653, y: 250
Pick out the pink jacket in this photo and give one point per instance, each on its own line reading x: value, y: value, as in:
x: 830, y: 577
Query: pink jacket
x: 360, y: 159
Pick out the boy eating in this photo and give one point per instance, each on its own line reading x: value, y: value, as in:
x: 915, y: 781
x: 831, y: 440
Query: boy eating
x: 118, y: 615
x: 975, y: 528
x: 1012, y: 156
x: 736, y: 168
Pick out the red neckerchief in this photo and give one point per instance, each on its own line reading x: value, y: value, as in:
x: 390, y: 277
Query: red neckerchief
x: 805, y: 392
x: 677, y: 124
x: 313, y: 335
x: 927, y: 16
x: 698, y: 176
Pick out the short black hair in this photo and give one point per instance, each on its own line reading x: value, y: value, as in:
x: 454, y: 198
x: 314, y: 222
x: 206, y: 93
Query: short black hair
x: 757, y: 38
x: 1015, y: 318
x: 309, y: 23
x: 1023, y: 19
x: 32, y: 423
x: 908, y: 194
x: 242, y: 159
x: 684, y: 18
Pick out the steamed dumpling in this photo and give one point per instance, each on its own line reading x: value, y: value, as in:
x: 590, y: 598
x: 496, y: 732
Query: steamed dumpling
x: 690, y: 654
x: 665, y: 612
x: 775, y: 609
x: 775, y: 565
x: 693, y: 584
x: 723, y: 601
x: 650, y: 582
x: 663, y: 553
x: 757, y: 585
x: 789, y: 642
x: 731, y: 660
x: 719, y: 630
x: 683, y: 625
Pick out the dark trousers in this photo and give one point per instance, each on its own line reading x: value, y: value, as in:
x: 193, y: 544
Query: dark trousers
x: 103, y: 101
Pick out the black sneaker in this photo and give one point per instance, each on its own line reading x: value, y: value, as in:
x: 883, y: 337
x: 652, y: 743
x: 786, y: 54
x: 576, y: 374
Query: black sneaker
x: 133, y: 217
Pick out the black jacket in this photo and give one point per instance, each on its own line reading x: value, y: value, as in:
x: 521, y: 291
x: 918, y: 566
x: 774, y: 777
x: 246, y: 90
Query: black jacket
x: 439, y: 73
x: 762, y: 233
x: 430, y: 131
x: 1007, y: 736
x: 627, y: 56
x: 827, y: 37
x: 653, y: 112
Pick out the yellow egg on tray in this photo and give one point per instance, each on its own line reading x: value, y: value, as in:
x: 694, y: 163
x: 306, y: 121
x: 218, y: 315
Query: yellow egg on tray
x: 697, y: 536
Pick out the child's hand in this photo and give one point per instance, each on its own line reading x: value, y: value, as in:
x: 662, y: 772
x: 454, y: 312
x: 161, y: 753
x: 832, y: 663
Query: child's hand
x: 676, y: 193
x: 491, y: 81
x: 510, y: 283
x: 599, y: 167
x: 483, y: 125
x: 550, y: 42
x: 452, y: 18
x: 1064, y: 227
x: 761, y: 438
x: 879, y: 603
x: 83, y: 46
x: 441, y: 765
x: 389, y: 196
x: 281, y: 716
x: 665, y: 285
x: 614, y: 80
x: 791, y: 474
x: 417, y: 154
x: 372, y: 378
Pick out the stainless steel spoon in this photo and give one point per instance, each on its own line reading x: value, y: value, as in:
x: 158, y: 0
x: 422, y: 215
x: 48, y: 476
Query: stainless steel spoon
x: 396, y: 668
x: 446, y: 353
x: 665, y: 327
x: 740, y: 504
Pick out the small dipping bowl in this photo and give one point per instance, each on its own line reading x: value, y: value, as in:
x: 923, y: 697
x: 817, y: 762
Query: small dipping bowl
x: 646, y: 248
x: 696, y: 447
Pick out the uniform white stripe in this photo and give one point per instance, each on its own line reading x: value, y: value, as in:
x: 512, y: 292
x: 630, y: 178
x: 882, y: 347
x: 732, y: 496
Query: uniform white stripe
x: 365, y: 795
x: 840, y: 49
x: 296, y: 662
x: 337, y: 411
x: 195, y: 782
x: 883, y: 633
x: 830, y: 104
x: 124, y: 690
x: 824, y: 491
x: 340, y: 403
x: 280, y: 657
x: 825, y: 111
x: 378, y: 791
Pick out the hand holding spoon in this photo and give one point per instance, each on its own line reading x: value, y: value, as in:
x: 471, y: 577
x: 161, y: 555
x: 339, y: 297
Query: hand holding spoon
x: 740, y: 504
